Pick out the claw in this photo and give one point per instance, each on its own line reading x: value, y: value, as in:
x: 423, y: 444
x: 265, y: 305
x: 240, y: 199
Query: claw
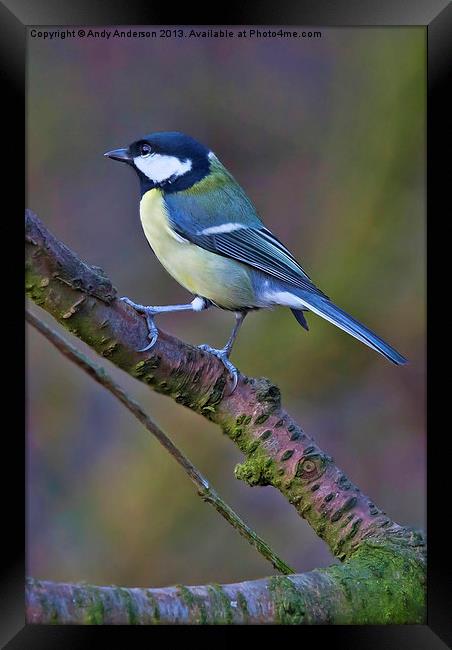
x: 223, y: 356
x: 153, y: 336
x: 148, y: 312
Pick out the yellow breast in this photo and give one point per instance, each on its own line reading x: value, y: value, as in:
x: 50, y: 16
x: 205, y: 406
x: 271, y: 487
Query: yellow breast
x: 224, y: 281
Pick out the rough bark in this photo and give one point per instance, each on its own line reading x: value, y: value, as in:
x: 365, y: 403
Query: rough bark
x: 379, y: 556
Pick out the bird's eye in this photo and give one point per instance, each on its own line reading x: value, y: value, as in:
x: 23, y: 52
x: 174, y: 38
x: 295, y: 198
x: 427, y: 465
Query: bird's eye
x: 145, y: 150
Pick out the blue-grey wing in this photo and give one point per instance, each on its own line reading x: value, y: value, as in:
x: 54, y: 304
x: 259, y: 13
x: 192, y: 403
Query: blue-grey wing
x: 260, y: 249
x: 250, y: 242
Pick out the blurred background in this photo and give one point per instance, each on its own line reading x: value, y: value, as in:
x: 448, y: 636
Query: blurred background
x: 327, y: 136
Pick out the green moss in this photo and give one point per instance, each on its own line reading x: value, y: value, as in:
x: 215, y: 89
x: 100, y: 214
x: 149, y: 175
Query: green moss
x: 130, y: 606
x: 241, y: 601
x: 236, y: 433
x: 155, y: 616
x: 221, y: 609
x: 243, y: 419
x: 258, y: 469
x: 252, y: 446
x: 195, y: 605
x: 33, y: 288
x: 382, y: 583
x: 235, y: 429
x: 95, y: 611
x: 290, y: 607
x: 186, y: 595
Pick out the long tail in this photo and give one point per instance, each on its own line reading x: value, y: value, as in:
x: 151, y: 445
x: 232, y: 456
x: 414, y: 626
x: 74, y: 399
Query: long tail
x: 328, y: 310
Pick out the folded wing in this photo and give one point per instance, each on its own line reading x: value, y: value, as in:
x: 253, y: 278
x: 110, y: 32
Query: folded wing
x: 257, y: 247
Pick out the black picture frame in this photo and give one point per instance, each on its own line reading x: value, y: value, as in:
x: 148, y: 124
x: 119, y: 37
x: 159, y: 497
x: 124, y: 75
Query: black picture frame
x: 15, y: 17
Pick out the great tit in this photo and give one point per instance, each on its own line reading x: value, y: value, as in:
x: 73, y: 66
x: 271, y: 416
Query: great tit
x: 207, y: 234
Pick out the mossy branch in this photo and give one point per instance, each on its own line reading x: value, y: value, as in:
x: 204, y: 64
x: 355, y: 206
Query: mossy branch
x: 278, y: 452
x: 382, y: 584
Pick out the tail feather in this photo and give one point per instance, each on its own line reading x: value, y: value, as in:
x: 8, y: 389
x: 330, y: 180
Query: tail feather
x: 344, y: 321
x: 298, y: 313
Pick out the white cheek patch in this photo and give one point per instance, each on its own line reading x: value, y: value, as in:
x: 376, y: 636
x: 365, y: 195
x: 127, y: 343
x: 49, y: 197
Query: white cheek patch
x: 159, y: 168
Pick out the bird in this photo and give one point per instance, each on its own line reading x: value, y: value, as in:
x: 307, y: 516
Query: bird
x: 207, y: 234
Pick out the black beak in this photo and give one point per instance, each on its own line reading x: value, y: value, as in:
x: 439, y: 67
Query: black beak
x: 122, y: 155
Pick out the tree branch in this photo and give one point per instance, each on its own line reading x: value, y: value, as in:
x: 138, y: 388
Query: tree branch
x: 382, y: 584
x: 278, y: 452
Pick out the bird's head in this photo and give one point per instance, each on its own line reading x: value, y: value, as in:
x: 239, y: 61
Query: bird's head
x: 169, y: 160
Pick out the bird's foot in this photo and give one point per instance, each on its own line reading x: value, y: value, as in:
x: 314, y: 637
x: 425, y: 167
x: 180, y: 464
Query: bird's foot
x: 149, y: 313
x: 223, y: 355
